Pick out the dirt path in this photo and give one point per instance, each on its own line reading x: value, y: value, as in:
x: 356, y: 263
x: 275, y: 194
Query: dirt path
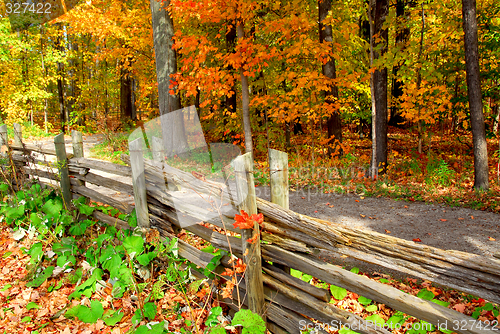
x: 435, y: 225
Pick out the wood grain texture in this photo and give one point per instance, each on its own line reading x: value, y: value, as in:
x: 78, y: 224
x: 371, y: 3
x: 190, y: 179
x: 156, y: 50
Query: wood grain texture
x: 98, y: 197
x: 103, y: 166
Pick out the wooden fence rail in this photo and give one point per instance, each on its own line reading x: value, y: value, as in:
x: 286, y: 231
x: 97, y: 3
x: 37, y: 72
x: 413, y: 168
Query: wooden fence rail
x: 292, y: 240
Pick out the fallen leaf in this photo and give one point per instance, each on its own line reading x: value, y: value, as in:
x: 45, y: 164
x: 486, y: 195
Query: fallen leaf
x: 303, y: 198
x: 388, y: 232
x: 356, y: 200
x: 417, y: 240
x: 460, y: 218
x: 491, y: 239
x: 459, y: 307
x: 406, y: 206
x: 362, y: 215
x: 471, y: 217
x: 443, y: 220
x: 315, y: 211
x: 328, y: 203
x: 331, y: 206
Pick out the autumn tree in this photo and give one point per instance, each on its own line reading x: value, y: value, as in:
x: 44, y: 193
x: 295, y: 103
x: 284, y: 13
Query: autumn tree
x: 474, y: 93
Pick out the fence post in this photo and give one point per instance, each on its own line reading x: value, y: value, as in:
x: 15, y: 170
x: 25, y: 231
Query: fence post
x: 139, y: 181
x: 4, y: 139
x: 278, y: 168
x: 18, y: 135
x: 62, y: 162
x: 157, y: 149
x: 77, y: 140
x: 278, y: 165
x: 245, y: 188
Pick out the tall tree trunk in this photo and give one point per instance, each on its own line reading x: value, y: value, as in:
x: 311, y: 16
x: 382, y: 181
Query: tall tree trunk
x: 45, y: 74
x: 402, y: 35
x: 334, y: 124
x: 133, y: 116
x: 474, y: 93
x: 245, y: 99
x: 230, y: 103
x: 166, y: 59
x: 125, y: 95
x: 60, y: 93
x: 174, y: 136
x: 377, y: 13
x: 73, y: 83
x: 420, y: 126
x: 60, y: 86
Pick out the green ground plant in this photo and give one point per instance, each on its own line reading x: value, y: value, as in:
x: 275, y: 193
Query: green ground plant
x: 62, y: 238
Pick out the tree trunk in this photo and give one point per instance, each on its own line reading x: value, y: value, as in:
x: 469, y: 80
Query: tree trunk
x: 245, y: 100
x: 45, y: 74
x: 125, y: 95
x: 132, y: 100
x: 166, y: 59
x: 402, y: 35
x: 420, y: 131
x: 174, y: 135
x: 474, y: 93
x: 378, y: 12
x: 60, y: 87
x: 496, y: 111
x: 230, y: 103
x: 334, y: 124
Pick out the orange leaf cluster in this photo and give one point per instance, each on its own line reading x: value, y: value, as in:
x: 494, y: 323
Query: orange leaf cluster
x: 244, y: 221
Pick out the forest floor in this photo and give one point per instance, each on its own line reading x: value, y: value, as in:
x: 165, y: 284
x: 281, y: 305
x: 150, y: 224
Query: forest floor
x: 40, y: 310
x: 436, y: 225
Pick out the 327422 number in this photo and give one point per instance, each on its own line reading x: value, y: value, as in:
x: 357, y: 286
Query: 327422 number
x: 26, y: 7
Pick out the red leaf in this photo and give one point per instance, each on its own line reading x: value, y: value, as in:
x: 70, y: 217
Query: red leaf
x: 443, y: 220
x: 417, y: 240
x: 244, y: 221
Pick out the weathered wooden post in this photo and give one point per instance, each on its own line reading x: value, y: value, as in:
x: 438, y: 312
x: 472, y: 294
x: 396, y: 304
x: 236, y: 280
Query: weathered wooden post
x: 278, y: 165
x: 18, y: 135
x: 278, y: 168
x: 139, y: 181
x: 157, y: 149
x: 4, y: 139
x: 245, y: 188
x: 62, y: 162
x: 77, y: 143
x: 77, y: 140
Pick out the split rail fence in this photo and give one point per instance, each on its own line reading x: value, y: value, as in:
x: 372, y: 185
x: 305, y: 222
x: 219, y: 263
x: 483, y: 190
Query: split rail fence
x: 291, y: 240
